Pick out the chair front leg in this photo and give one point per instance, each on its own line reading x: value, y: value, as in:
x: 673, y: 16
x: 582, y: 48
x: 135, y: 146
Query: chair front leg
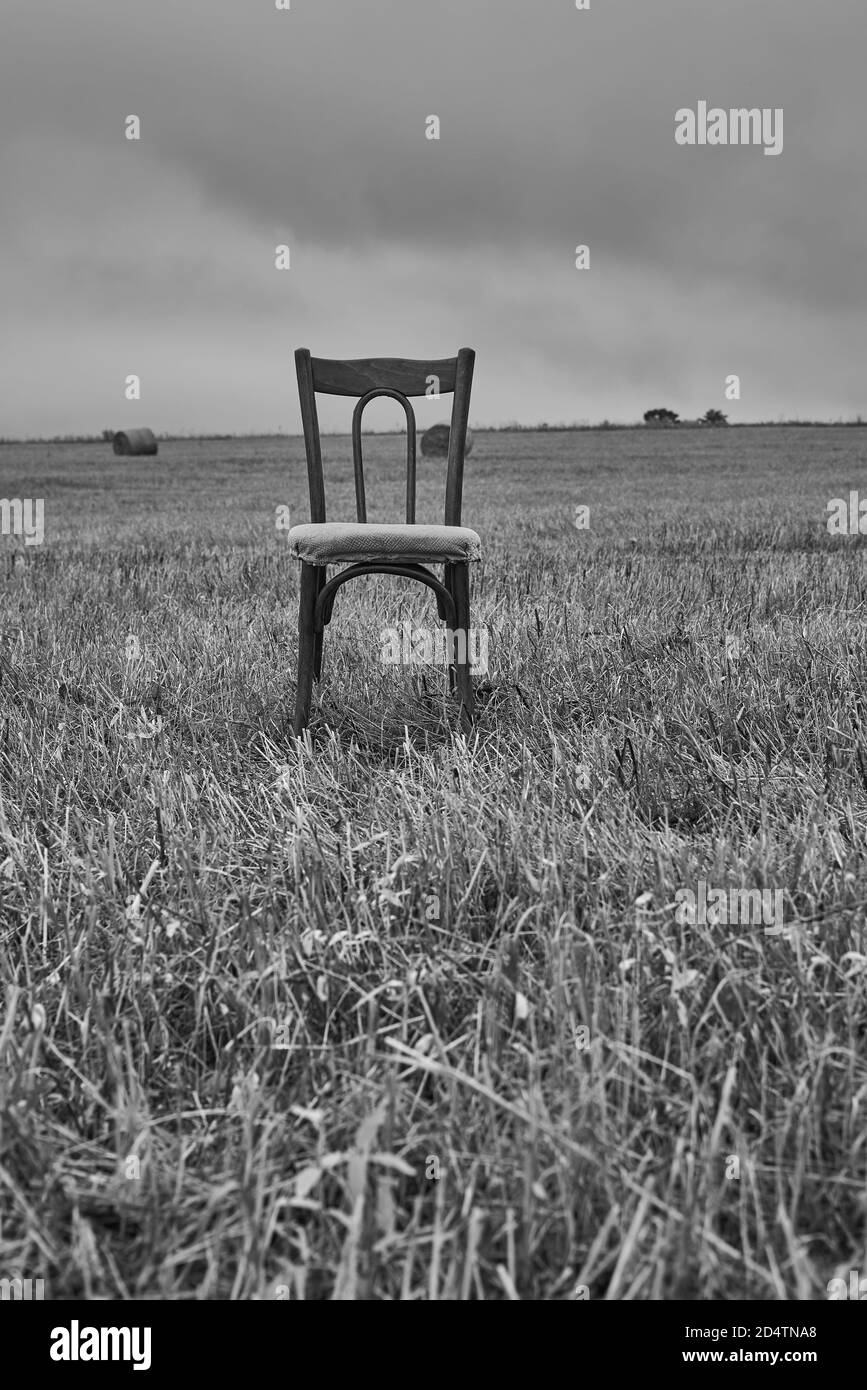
x: 460, y: 590
x: 322, y: 577
x: 448, y: 581
x: 306, y: 645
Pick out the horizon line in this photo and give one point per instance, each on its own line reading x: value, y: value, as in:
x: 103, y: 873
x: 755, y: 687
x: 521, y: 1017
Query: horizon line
x: 511, y: 428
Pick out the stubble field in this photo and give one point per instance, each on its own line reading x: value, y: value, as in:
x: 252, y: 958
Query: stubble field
x: 396, y: 1014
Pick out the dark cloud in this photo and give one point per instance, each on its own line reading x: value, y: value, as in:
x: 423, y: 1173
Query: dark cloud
x: 307, y: 127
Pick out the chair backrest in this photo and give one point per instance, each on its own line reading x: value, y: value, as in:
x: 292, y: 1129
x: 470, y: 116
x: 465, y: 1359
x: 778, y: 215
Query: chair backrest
x: 398, y: 377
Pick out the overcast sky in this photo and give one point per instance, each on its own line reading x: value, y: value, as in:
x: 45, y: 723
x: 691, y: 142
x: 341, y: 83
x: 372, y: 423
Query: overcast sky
x: 307, y: 127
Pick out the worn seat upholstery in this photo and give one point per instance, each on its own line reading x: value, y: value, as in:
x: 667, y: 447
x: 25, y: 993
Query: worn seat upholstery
x: 353, y: 542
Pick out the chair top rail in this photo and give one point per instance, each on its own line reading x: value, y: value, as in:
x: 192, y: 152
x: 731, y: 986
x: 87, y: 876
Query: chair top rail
x: 364, y: 374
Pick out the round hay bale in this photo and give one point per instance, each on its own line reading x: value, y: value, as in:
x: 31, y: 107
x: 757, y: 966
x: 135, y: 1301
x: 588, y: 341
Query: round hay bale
x: 134, y: 442
x: 435, y: 441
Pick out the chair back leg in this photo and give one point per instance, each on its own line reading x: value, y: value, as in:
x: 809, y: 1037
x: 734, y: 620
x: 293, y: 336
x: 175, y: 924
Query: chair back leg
x: 306, y: 645
x: 460, y: 589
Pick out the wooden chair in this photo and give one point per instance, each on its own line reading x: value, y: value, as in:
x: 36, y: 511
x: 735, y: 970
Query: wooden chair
x: 371, y: 548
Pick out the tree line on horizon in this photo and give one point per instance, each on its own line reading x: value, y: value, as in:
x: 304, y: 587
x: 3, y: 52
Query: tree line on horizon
x: 661, y: 416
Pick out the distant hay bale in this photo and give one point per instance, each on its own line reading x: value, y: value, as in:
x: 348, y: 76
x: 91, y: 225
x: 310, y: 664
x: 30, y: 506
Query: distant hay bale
x: 435, y: 441
x: 134, y: 442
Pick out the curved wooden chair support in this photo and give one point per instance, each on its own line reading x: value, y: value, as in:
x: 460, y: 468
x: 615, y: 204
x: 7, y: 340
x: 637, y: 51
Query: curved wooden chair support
x: 360, y: 503
x: 325, y: 601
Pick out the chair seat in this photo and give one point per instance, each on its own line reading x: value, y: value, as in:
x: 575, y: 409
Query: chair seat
x: 336, y: 542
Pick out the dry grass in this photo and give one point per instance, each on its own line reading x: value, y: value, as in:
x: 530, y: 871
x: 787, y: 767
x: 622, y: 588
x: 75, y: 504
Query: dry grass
x: 258, y: 995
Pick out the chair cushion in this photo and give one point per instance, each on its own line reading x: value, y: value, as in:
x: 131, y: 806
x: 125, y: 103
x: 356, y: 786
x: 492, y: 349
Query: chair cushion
x: 333, y: 542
